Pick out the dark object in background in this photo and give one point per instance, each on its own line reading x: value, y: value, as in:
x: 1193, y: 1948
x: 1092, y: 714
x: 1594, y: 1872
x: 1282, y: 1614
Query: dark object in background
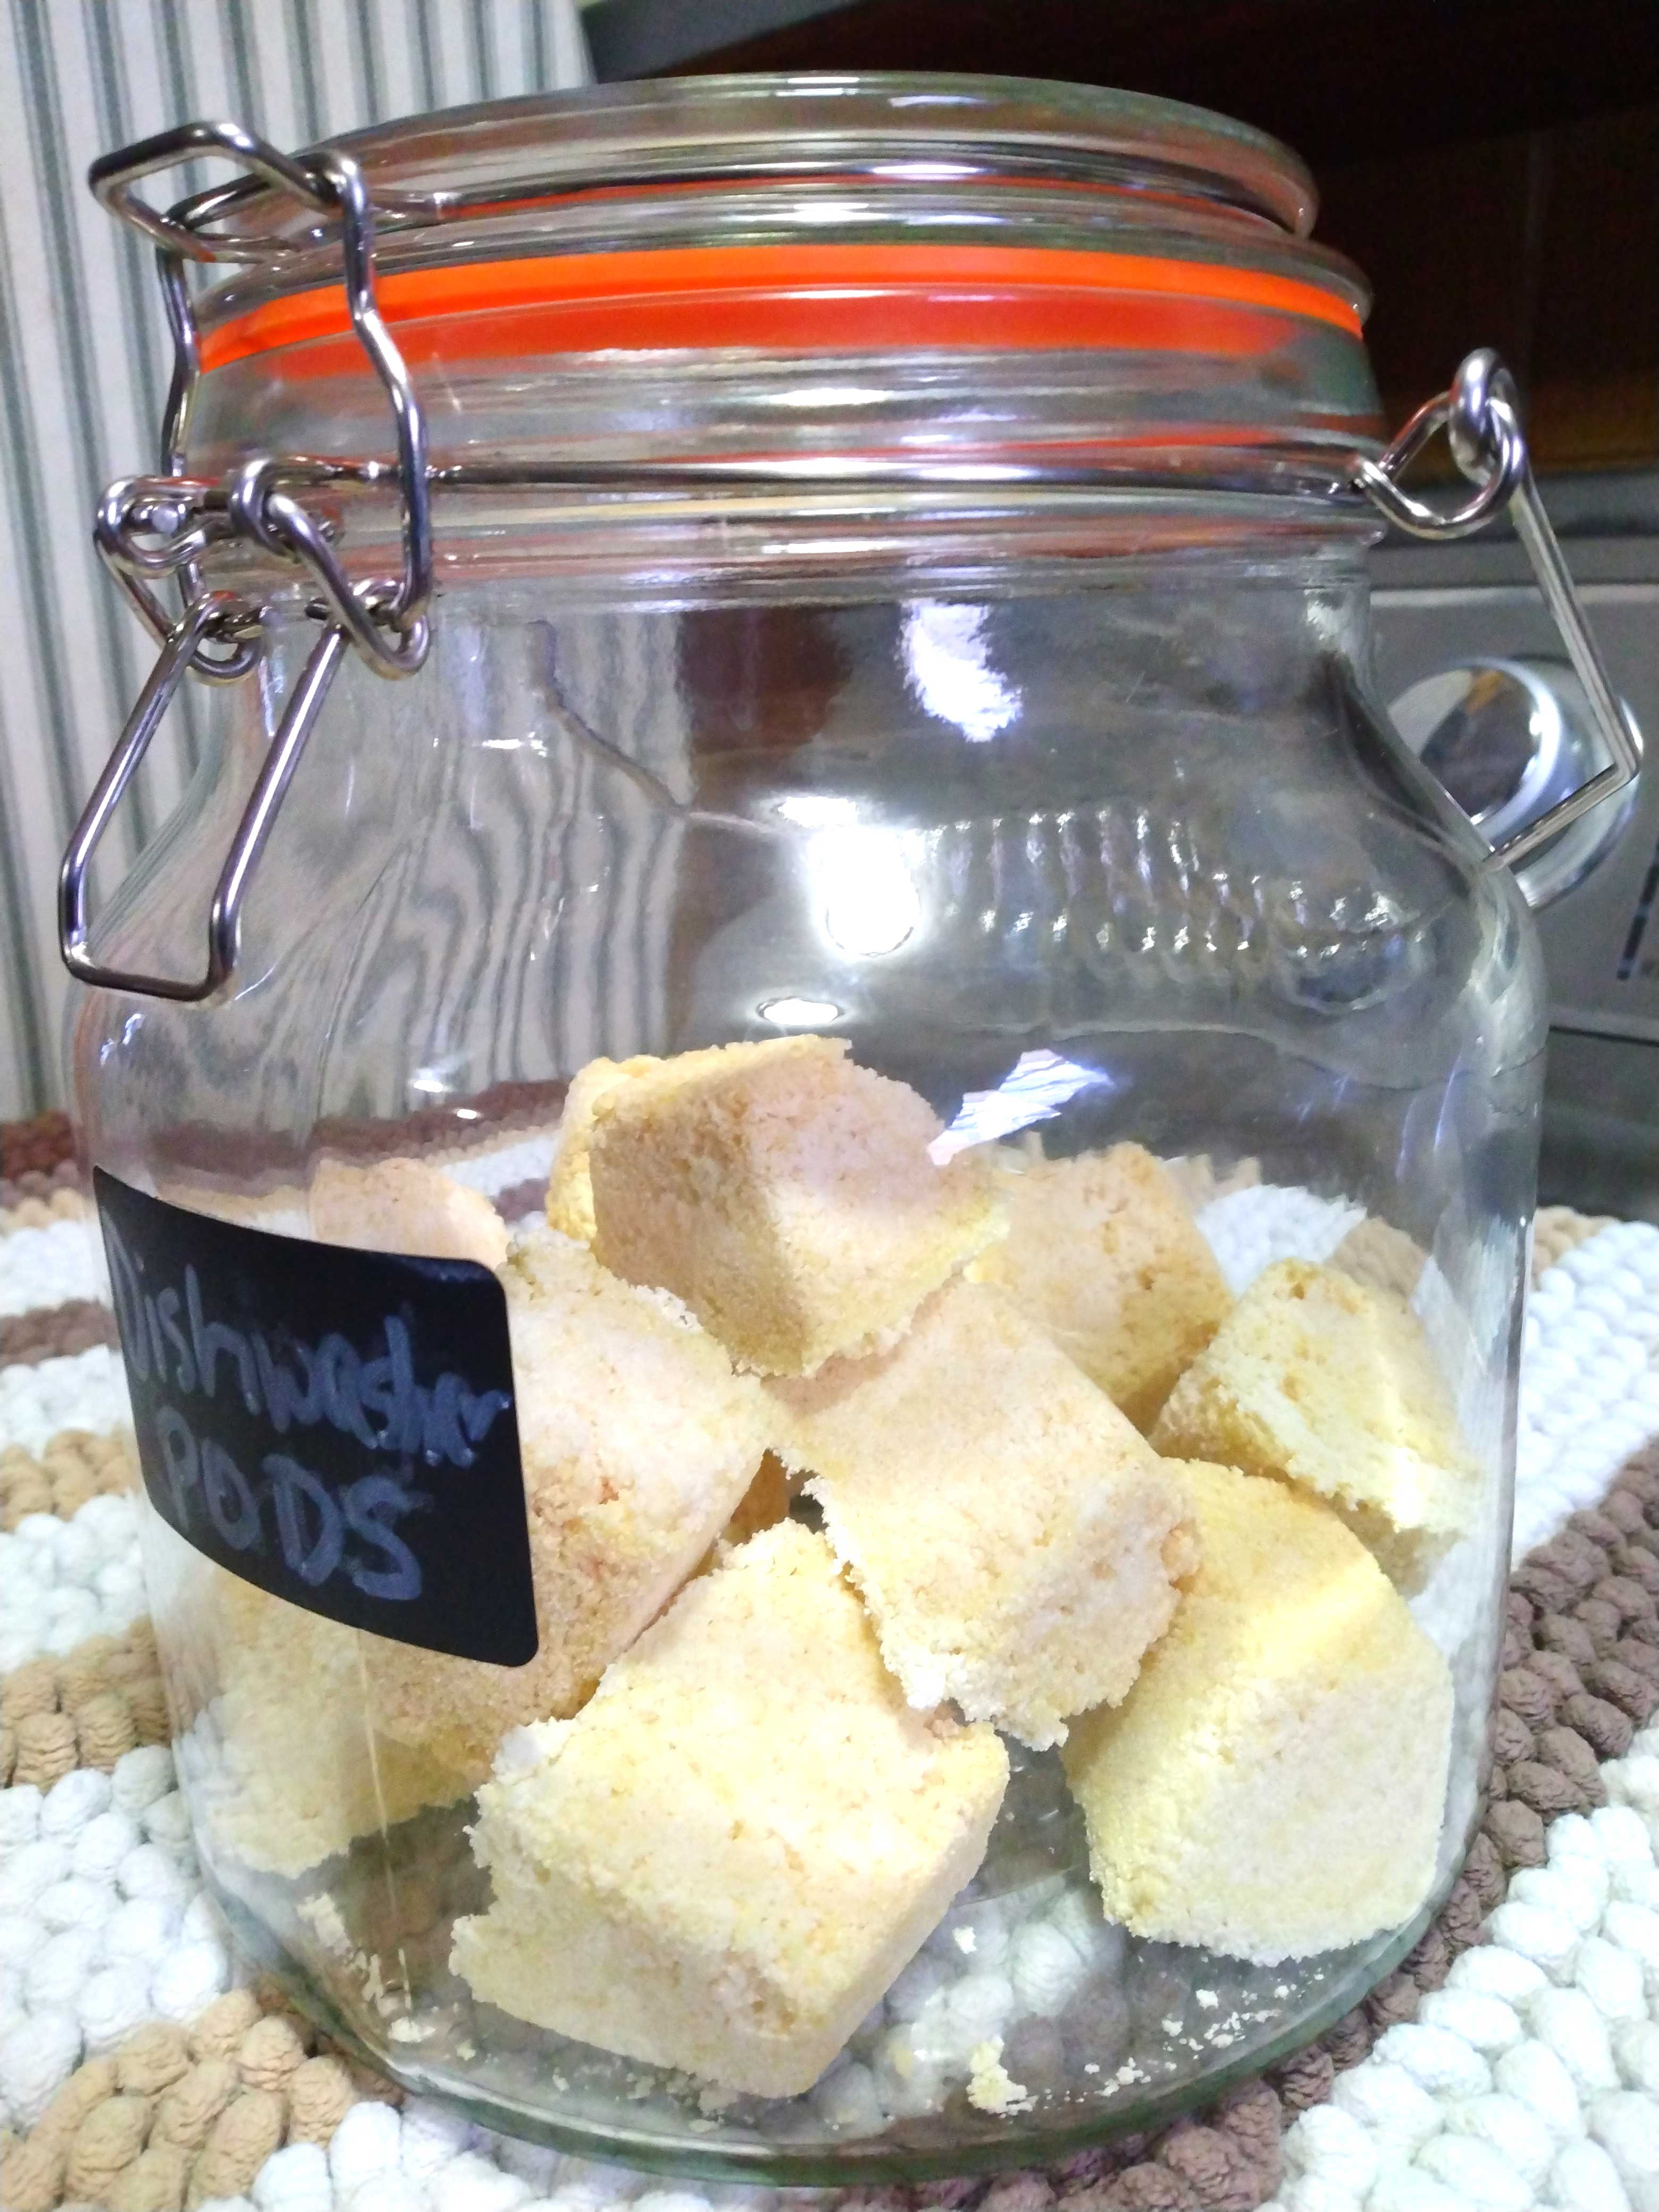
x: 1492, y: 165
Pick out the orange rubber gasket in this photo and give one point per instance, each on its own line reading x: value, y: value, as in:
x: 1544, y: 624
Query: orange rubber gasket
x: 814, y: 297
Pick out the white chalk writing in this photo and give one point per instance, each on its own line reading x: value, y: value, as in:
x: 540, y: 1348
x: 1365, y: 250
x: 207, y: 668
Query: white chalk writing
x: 169, y: 1337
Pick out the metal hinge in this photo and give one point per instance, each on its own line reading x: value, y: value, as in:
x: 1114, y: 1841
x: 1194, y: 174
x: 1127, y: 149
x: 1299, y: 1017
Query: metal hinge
x: 151, y: 527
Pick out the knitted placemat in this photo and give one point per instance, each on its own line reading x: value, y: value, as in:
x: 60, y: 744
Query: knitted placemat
x: 1513, y: 2059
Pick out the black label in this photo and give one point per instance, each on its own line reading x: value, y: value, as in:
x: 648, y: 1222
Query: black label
x: 336, y: 1427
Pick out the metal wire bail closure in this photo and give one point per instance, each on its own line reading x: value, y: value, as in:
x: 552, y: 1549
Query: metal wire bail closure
x: 275, y: 771
x: 149, y: 528
x: 1481, y: 419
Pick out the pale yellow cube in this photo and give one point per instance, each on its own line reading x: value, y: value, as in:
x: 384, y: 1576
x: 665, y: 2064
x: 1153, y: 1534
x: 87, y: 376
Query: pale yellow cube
x: 1328, y: 1384
x: 638, y: 1442
x: 570, y: 1186
x: 735, y: 1847
x: 1017, y: 1543
x: 1274, y: 1783
x: 1103, y: 1253
x: 786, y: 1194
x: 404, y: 1205
x: 571, y: 1182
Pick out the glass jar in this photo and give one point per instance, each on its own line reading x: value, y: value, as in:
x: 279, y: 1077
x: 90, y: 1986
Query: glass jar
x: 964, y: 1110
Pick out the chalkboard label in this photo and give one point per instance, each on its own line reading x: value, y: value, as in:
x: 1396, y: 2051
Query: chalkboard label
x: 336, y: 1427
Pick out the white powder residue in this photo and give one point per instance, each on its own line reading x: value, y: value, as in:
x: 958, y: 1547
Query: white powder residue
x: 991, y: 2087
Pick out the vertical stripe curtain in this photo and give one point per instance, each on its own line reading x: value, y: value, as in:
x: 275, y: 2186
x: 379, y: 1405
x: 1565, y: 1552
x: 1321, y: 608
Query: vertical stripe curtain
x: 85, y: 359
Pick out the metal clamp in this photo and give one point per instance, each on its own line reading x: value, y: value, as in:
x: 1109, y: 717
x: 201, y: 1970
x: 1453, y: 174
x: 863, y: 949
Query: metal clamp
x: 113, y: 176
x: 275, y: 771
x: 150, y: 527
x: 1482, y: 422
x: 330, y: 182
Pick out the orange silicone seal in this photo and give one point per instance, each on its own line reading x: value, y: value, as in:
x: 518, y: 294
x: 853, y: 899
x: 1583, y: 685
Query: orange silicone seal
x: 814, y: 298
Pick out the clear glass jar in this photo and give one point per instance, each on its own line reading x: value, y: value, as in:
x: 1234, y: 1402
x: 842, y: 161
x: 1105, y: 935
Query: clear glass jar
x: 1017, y: 1452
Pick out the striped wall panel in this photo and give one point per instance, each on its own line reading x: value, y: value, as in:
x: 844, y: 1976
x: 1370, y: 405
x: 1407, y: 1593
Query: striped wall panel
x: 84, y: 359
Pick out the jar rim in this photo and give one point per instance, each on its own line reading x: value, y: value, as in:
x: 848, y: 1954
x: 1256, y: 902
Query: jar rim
x: 486, y: 211
x: 1152, y: 257
x: 462, y: 160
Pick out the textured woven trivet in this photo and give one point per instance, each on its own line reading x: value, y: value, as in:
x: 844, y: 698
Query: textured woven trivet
x: 1513, y: 2060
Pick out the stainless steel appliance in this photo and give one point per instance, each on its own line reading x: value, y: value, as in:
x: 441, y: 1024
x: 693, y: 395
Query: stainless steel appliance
x: 1468, y: 656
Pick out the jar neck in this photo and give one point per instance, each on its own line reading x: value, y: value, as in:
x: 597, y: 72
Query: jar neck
x: 1302, y: 395
x: 782, y: 543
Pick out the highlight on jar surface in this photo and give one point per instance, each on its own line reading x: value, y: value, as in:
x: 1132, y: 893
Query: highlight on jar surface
x: 1003, y: 1615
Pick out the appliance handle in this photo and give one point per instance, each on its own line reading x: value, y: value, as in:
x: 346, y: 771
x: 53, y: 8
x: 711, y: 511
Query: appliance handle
x: 1482, y: 418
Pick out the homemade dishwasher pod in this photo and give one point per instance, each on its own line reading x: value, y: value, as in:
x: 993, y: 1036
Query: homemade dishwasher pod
x: 821, y: 1284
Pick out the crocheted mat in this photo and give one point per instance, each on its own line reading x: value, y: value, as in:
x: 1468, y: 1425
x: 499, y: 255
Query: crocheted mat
x: 1513, y: 2061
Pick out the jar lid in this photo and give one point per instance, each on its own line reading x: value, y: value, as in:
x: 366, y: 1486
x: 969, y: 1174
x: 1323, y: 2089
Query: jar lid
x: 993, y: 263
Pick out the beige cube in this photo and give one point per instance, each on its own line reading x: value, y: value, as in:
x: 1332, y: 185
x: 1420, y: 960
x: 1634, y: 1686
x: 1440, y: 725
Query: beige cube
x: 570, y: 1186
x: 638, y: 1442
x: 571, y: 1182
x: 785, y: 1194
x: 1017, y: 1543
x: 404, y: 1205
x: 733, y: 1850
x: 1328, y: 1384
x: 1273, y: 1785
x: 1103, y: 1253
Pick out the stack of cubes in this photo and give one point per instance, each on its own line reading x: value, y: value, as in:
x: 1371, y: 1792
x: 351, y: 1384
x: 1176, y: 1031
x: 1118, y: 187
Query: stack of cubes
x: 757, y: 1753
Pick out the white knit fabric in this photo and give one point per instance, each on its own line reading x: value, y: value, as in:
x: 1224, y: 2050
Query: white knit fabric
x: 1248, y: 1230
x: 64, y: 1581
x: 83, y: 1390
x: 41, y: 1268
x: 507, y: 1166
x: 1573, y: 2059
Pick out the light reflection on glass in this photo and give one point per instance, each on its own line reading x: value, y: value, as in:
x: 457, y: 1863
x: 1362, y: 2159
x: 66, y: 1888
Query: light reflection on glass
x: 947, y: 659
x: 809, y: 397
x: 532, y: 743
x: 867, y: 903
x: 798, y: 1013
x: 816, y: 810
x: 1033, y: 1090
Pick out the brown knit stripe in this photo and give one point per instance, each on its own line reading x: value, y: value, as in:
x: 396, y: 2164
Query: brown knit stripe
x: 520, y: 1198
x: 39, y: 1183
x: 34, y: 1147
x: 52, y: 1332
x: 173, y: 2115
x: 72, y: 1467
x: 41, y: 1212
x: 39, y: 1196
x: 37, y: 1168
x: 103, y: 1698
x: 1558, y: 1229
